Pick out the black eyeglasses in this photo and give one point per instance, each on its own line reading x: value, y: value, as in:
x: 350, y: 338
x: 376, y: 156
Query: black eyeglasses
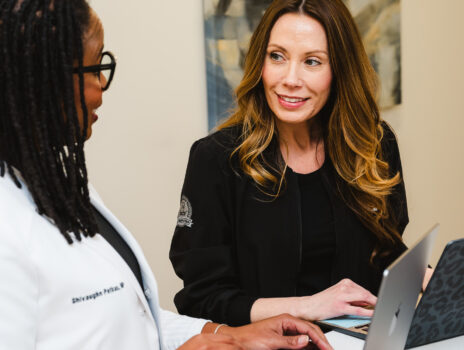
x: 106, y: 67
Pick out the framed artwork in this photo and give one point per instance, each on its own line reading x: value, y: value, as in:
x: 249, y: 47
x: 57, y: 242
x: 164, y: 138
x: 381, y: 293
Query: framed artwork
x: 229, y: 24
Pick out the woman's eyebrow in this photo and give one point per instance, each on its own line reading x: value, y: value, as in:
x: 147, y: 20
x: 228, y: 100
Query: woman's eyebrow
x: 281, y: 48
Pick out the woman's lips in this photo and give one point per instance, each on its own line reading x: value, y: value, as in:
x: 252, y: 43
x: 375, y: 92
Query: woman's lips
x: 291, y: 101
x: 94, y: 117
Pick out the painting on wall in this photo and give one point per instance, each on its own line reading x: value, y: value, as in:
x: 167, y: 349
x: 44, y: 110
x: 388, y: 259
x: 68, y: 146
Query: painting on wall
x: 229, y: 24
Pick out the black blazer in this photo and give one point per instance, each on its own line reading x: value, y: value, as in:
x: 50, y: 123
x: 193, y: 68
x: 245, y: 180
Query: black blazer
x: 233, y: 245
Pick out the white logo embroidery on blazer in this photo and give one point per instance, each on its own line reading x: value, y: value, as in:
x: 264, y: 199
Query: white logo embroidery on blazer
x: 184, y: 218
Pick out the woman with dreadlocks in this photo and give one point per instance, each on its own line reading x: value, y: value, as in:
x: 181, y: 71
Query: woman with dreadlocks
x: 71, y: 275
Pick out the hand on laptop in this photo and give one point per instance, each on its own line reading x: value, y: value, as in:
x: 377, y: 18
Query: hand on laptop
x: 279, y: 332
x: 343, y: 298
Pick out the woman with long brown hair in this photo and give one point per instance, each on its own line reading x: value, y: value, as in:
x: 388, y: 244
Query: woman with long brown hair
x: 297, y: 203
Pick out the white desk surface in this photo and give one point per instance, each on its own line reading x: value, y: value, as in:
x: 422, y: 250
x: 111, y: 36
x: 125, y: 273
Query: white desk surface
x: 341, y: 341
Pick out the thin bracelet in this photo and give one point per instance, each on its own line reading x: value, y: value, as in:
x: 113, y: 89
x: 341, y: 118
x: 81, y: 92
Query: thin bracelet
x: 219, y: 326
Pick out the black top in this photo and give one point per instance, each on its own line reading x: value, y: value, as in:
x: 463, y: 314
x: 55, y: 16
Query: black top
x: 107, y: 231
x: 318, y: 235
x: 233, y: 244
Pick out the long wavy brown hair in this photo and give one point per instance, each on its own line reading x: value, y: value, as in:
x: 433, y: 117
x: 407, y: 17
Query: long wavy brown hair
x: 352, y: 127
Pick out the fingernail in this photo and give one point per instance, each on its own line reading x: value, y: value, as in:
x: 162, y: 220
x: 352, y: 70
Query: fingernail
x: 304, y: 339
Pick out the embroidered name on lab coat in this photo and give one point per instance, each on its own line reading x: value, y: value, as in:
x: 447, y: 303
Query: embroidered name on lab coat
x: 184, y: 218
x: 97, y: 294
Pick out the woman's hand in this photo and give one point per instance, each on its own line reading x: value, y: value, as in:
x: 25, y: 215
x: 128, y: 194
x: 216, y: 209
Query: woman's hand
x: 212, y: 342
x: 280, y: 332
x: 343, y: 298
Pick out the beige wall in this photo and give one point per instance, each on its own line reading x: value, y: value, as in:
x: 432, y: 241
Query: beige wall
x: 157, y: 108
x: 151, y: 115
x: 431, y: 119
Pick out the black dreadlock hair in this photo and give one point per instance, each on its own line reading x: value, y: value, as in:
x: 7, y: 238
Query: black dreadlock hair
x: 39, y: 129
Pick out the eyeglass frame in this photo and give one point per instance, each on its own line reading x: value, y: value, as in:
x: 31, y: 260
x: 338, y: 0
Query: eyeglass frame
x: 100, y: 67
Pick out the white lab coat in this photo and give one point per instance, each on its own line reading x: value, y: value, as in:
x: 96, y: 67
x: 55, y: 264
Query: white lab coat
x: 56, y: 296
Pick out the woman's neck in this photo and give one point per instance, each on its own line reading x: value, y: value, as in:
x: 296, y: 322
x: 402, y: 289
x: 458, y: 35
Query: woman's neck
x: 302, y: 146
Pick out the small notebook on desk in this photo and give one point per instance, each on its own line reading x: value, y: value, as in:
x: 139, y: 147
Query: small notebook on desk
x: 356, y: 326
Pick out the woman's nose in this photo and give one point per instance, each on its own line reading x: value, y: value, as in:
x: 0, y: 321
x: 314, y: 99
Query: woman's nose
x: 292, y: 77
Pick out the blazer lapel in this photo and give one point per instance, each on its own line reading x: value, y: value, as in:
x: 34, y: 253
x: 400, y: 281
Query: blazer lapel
x: 150, y: 292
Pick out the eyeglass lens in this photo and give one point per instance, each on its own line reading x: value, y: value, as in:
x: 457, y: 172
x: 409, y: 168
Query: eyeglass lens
x: 106, y: 59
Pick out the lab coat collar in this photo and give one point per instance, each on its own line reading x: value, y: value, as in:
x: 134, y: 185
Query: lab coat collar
x: 149, y: 295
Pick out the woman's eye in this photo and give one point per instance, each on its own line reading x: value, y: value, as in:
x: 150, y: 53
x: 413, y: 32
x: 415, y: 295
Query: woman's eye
x: 275, y: 56
x: 312, y: 62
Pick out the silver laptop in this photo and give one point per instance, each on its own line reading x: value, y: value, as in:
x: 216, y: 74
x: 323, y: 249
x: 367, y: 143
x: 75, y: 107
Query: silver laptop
x: 399, y: 290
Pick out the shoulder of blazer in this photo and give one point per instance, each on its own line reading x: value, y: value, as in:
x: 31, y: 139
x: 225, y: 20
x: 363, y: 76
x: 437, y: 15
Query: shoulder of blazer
x: 389, y: 145
x: 17, y: 212
x: 224, y: 140
x: 391, y: 154
x: 216, y: 150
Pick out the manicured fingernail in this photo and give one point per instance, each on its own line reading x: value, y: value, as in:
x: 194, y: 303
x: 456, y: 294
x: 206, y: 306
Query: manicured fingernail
x: 304, y: 339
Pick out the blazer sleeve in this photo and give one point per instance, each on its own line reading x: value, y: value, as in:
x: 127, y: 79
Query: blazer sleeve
x: 202, y: 249
x: 18, y: 290
x: 177, y: 329
x: 397, y: 202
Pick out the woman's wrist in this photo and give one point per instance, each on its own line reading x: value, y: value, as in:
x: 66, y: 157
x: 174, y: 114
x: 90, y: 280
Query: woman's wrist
x: 214, y: 328
x: 298, y: 306
x: 268, y: 307
x: 308, y: 308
